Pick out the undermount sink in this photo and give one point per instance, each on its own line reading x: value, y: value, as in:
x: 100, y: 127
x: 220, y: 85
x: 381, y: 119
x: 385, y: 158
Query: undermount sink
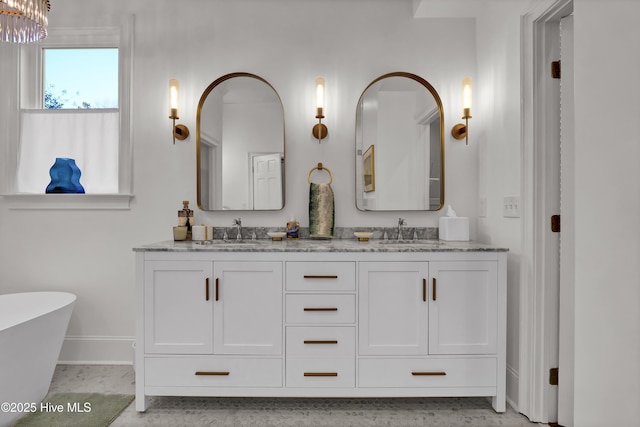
x: 228, y: 242
x: 408, y: 242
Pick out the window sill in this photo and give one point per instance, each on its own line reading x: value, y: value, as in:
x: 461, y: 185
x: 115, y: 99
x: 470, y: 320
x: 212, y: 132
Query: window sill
x: 68, y: 201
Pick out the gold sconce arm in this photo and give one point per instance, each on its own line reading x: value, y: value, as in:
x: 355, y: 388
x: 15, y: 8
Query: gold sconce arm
x: 460, y: 130
x: 180, y: 131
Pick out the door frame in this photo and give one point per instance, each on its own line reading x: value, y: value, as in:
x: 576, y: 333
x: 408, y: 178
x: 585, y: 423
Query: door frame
x: 538, y: 304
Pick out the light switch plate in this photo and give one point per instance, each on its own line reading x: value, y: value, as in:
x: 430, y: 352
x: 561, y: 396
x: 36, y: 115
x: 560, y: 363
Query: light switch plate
x: 511, y: 207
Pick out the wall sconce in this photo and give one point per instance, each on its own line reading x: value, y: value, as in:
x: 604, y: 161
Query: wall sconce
x: 179, y: 131
x: 460, y: 130
x: 320, y: 130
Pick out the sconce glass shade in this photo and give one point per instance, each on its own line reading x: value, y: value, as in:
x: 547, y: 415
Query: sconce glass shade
x: 466, y: 96
x: 460, y: 130
x: 319, y: 96
x: 23, y: 21
x: 180, y: 132
x: 174, y: 89
x: 320, y: 130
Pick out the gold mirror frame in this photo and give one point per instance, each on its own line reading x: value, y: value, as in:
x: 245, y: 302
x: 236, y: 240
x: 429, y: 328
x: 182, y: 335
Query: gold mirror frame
x: 203, y: 98
x: 371, y: 168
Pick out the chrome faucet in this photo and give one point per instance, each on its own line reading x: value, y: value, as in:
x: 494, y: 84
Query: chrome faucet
x: 237, y: 222
x: 401, y: 222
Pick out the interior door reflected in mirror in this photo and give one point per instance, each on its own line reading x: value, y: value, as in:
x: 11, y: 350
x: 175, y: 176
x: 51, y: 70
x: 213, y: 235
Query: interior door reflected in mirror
x: 240, y: 146
x: 399, y: 145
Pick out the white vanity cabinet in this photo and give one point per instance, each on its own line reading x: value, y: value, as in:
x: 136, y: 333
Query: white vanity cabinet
x: 419, y: 308
x: 419, y: 318
x: 247, y: 307
x: 393, y: 303
x: 463, y: 307
x: 178, y: 314
x: 343, y: 319
x: 207, y: 324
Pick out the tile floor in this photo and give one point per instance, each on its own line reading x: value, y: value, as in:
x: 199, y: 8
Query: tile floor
x: 299, y: 412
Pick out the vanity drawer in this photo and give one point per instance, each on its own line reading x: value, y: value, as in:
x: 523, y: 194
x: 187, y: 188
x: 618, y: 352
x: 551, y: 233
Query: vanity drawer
x: 321, y: 308
x: 320, y: 373
x: 321, y: 341
x: 210, y: 371
x: 321, y: 276
x: 414, y: 372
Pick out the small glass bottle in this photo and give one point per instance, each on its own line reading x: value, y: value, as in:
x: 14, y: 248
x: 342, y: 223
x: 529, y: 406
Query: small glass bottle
x: 293, y: 229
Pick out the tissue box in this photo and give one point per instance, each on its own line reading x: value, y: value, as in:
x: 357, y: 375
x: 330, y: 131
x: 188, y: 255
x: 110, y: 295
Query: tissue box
x: 454, y: 228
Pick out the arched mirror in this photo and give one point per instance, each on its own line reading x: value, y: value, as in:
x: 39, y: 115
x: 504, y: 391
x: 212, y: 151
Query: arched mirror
x: 399, y: 145
x: 240, y: 145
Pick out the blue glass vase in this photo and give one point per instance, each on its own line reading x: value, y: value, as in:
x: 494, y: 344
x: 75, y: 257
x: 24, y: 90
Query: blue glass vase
x: 65, y: 177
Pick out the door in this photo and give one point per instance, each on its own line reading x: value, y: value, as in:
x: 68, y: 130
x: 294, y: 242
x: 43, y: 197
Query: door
x: 567, y: 239
x: 178, y: 307
x: 247, y: 308
x: 463, y: 307
x: 393, y: 308
x: 267, y: 181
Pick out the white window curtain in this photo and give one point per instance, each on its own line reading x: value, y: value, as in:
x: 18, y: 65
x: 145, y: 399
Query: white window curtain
x: 91, y: 137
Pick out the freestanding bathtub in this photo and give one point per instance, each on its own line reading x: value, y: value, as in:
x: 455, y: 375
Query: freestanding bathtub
x: 32, y: 329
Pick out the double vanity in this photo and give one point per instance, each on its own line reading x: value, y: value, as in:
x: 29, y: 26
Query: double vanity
x: 320, y: 318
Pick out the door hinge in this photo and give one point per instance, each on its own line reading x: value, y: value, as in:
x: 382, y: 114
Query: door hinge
x: 555, y: 223
x: 556, y: 69
x: 553, y: 376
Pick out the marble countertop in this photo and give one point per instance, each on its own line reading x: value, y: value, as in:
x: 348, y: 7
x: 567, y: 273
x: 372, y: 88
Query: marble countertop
x: 317, y: 245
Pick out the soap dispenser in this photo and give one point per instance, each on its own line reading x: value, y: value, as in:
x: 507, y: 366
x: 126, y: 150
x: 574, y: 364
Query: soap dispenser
x: 185, y: 217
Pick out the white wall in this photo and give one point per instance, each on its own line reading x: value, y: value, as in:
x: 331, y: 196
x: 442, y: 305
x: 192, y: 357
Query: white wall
x: 607, y: 226
x: 495, y: 128
x: 287, y: 42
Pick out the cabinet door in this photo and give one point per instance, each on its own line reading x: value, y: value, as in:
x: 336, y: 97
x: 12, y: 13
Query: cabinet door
x: 178, y: 309
x: 463, y: 307
x: 393, y: 308
x: 248, y: 308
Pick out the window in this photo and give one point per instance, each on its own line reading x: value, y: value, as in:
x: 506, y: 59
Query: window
x: 78, y: 119
x: 80, y: 78
x: 74, y: 100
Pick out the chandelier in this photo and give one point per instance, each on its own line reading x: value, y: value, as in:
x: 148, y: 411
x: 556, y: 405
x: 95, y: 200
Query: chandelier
x: 23, y: 21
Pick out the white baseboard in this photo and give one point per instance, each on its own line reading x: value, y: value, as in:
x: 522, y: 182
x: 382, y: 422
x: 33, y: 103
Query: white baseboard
x: 513, y: 382
x: 97, y: 350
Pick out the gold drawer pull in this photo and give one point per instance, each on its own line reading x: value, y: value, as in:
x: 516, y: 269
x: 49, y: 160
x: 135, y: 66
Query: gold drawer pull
x: 321, y: 341
x: 428, y: 374
x: 320, y: 309
x: 213, y: 373
x: 319, y: 277
x: 320, y: 374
